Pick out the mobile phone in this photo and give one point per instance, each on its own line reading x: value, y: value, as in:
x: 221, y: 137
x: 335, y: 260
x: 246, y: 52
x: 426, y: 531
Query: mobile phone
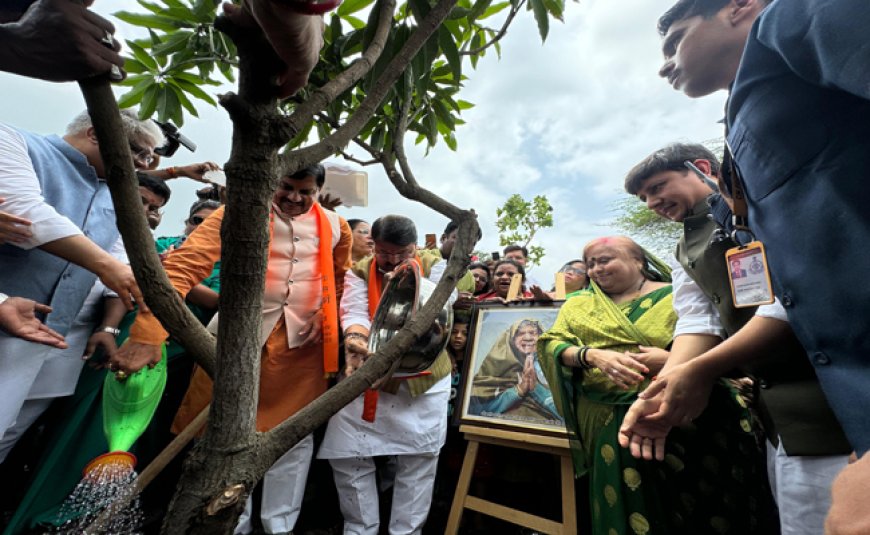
x: 496, y: 255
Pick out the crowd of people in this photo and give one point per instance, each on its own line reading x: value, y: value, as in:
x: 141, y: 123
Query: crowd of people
x: 691, y: 405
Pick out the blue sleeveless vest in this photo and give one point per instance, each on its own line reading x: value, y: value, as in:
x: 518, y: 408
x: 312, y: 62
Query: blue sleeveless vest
x: 70, y: 185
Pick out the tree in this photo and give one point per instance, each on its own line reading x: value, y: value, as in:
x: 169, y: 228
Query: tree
x: 644, y: 226
x: 377, y: 80
x: 519, y: 220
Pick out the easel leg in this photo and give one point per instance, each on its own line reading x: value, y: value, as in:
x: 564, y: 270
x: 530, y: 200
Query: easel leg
x: 462, y: 488
x: 569, y: 511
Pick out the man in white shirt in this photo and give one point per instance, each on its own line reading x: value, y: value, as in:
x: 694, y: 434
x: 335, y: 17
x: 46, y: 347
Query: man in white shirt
x: 56, y: 184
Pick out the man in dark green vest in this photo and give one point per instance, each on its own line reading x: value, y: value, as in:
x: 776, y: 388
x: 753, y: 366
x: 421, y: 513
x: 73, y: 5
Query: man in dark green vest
x: 806, y: 446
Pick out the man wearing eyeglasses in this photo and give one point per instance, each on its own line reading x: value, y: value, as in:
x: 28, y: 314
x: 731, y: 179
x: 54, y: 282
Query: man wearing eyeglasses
x: 56, y: 183
x: 409, y: 424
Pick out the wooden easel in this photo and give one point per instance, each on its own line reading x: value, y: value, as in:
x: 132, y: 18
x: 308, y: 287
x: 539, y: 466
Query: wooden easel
x: 512, y: 439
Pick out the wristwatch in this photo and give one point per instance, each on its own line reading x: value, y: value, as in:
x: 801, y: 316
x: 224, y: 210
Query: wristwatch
x: 111, y: 330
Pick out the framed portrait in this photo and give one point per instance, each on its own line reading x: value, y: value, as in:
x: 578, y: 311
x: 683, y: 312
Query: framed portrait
x: 503, y: 385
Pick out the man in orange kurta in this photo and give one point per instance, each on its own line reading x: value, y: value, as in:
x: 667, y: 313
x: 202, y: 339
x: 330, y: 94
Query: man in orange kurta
x: 309, y: 253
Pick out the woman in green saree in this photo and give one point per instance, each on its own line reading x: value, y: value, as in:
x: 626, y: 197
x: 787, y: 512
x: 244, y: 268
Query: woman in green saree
x: 712, y: 480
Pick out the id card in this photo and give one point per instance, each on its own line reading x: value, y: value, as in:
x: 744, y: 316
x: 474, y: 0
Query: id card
x: 749, y: 275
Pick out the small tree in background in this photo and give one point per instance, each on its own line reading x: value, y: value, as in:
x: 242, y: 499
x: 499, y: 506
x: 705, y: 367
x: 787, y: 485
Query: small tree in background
x: 519, y: 220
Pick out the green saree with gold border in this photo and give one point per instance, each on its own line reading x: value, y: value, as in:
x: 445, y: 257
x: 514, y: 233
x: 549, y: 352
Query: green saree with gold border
x: 712, y: 480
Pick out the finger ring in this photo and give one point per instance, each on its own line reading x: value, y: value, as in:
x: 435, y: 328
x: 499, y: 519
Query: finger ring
x: 120, y: 375
x: 108, y: 40
x: 115, y: 73
x: 613, y: 371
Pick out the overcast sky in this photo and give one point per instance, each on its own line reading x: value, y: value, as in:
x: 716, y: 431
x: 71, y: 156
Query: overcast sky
x: 566, y: 119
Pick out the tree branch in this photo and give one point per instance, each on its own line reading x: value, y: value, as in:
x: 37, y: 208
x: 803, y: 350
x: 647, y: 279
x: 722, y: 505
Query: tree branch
x: 339, y: 139
x: 288, y: 127
x: 501, y: 33
x: 159, y: 294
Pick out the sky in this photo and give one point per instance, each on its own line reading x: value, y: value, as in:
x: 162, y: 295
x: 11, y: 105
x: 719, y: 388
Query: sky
x: 566, y: 119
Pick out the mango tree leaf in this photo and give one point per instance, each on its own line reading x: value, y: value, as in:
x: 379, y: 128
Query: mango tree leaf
x: 140, y: 54
x: 555, y: 8
x: 541, y: 17
x: 157, y: 22
x: 493, y: 10
x: 352, y: 6
x: 135, y: 94
x: 193, y: 89
x: 174, y: 42
x: 149, y: 102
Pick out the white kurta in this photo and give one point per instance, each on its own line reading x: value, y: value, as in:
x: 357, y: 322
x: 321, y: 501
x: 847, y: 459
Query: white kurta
x: 403, y: 425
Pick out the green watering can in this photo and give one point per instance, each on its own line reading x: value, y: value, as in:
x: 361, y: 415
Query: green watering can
x: 128, y: 406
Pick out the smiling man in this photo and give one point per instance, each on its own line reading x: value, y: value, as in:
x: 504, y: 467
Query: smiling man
x: 804, y: 454
x: 309, y: 253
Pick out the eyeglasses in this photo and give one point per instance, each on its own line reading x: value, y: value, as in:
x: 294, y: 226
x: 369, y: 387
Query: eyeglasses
x: 141, y: 155
x: 574, y: 271
x: 404, y: 255
x: 196, y: 220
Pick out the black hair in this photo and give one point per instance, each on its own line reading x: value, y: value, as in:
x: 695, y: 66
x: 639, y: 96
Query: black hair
x: 514, y: 247
x: 485, y: 268
x: 395, y: 229
x: 569, y: 262
x: 315, y: 170
x: 155, y: 185
x: 353, y: 223
x: 453, y: 225
x: 520, y: 269
x: 673, y: 157
x: 203, y: 203
x: 686, y: 9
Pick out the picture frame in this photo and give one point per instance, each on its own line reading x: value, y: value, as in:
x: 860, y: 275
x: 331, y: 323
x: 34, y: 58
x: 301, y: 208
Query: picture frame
x: 498, y: 335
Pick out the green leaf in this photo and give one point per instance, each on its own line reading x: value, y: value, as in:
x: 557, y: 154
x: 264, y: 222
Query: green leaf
x: 450, y: 139
x: 493, y: 10
x: 135, y: 79
x: 157, y: 22
x: 448, y: 46
x: 356, y: 23
x: 541, y: 18
x: 478, y: 9
x: 193, y: 89
x: 431, y: 128
x: 371, y: 26
x: 458, y: 13
x: 140, y: 54
x: 352, y: 6
x: 134, y: 95
x: 185, y: 102
x: 149, y: 102
x: 443, y: 114
x: 464, y: 104
x: 174, y: 42
x: 556, y: 8
x: 168, y: 106
x: 205, y: 10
